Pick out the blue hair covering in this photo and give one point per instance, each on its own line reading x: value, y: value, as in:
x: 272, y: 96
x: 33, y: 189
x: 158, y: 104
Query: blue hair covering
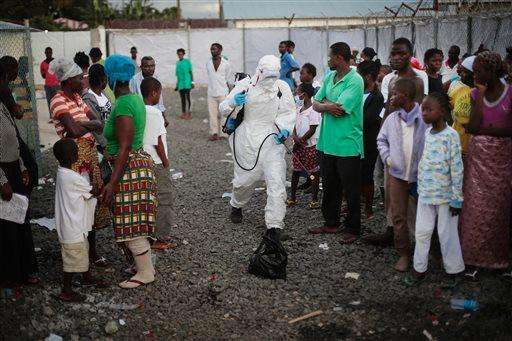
x: 118, y: 68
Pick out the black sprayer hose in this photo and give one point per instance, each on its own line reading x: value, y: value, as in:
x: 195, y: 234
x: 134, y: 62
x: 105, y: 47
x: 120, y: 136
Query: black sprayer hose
x: 257, y: 156
x: 310, y: 175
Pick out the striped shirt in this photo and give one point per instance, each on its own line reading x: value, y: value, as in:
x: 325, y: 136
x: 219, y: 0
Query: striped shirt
x: 62, y: 104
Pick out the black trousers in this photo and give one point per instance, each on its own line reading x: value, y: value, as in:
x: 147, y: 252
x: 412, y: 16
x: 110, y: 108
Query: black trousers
x: 185, y: 97
x: 341, y: 176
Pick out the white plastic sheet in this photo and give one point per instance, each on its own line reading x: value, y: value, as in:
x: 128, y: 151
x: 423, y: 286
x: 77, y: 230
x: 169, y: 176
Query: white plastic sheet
x: 161, y: 45
x: 260, y: 42
x: 354, y: 38
x: 452, y: 32
x: 504, y: 38
x: 403, y: 30
x: 63, y: 44
x: 424, y: 38
x: 311, y: 47
x: 200, y: 42
x: 371, y: 39
x: 386, y: 38
x: 484, y: 32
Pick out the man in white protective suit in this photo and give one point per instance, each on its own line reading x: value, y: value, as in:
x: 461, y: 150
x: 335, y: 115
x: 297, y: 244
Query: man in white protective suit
x: 269, y: 116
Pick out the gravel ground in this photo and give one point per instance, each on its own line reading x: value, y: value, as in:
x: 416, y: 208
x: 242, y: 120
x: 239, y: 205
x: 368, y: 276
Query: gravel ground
x: 185, y: 301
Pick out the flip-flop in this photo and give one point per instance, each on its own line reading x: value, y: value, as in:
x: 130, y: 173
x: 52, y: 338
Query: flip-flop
x: 33, y: 280
x: 97, y: 283
x: 412, y: 281
x: 73, y: 297
x: 101, y: 262
x: 347, y: 239
x: 291, y: 202
x: 314, y: 205
x: 129, y: 286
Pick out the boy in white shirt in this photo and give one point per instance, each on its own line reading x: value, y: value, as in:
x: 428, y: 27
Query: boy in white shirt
x: 155, y: 144
x: 74, y: 217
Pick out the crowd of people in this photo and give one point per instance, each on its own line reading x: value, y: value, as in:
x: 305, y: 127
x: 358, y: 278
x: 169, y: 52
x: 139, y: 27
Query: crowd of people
x: 435, y: 139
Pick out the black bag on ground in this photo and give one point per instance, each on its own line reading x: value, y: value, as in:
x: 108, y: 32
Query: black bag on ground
x: 269, y: 260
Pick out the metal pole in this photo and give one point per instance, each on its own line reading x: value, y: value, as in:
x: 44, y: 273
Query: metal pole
x: 34, y: 126
x: 243, y: 47
x: 470, y: 34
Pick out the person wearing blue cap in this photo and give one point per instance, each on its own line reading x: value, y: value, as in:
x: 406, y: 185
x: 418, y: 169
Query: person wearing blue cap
x: 131, y: 189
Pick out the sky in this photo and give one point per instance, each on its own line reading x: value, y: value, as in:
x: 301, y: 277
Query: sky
x: 209, y: 8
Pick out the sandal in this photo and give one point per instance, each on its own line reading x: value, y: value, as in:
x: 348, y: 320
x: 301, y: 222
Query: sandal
x: 127, y: 284
x: 72, y: 297
x: 413, y: 279
x: 348, y: 238
x: 160, y: 245
x: 33, y: 280
x: 472, y: 276
x: 291, y: 202
x: 314, y: 205
x: 97, y: 283
x: 101, y: 262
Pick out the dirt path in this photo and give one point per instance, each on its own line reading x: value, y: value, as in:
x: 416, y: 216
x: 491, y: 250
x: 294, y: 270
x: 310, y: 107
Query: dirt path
x: 183, y: 302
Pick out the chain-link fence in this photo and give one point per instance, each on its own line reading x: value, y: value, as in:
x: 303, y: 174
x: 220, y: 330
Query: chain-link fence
x: 245, y: 46
x: 15, y: 42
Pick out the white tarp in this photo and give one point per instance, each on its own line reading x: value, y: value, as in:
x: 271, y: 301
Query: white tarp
x: 354, y: 38
x: 371, y: 40
x: 404, y: 31
x: 452, y: 32
x: 200, y: 42
x: 260, y: 42
x: 161, y: 45
x: 386, y: 38
x: 64, y: 44
x: 424, y: 38
x: 484, y: 32
x: 303, y: 39
x: 504, y: 38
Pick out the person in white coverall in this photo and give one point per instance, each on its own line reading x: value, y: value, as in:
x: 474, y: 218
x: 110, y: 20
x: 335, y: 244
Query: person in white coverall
x: 269, y: 104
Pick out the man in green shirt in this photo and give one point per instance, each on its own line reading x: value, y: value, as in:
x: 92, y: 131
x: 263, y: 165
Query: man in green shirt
x: 185, y: 82
x: 340, y: 145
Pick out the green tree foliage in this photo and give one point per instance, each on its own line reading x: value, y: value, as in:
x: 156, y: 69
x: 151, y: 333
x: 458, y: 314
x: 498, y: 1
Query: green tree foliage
x: 94, y: 12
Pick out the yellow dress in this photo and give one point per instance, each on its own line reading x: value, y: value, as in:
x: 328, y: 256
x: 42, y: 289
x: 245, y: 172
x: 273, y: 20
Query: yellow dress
x: 460, y: 99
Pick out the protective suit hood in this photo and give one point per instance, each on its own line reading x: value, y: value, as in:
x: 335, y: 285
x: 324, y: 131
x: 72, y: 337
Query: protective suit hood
x: 267, y: 71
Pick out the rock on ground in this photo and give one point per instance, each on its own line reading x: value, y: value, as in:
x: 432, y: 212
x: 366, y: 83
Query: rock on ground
x: 182, y: 304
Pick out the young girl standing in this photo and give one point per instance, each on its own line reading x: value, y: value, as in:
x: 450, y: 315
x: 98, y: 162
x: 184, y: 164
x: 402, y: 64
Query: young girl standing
x: 305, y: 135
x: 439, y: 190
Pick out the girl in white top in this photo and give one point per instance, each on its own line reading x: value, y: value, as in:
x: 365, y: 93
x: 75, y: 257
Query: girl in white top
x: 305, y: 135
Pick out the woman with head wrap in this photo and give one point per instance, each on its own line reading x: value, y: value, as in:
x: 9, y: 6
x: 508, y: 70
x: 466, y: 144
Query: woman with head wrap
x: 132, y: 187
x: 73, y: 119
x: 18, y: 262
x: 485, y: 218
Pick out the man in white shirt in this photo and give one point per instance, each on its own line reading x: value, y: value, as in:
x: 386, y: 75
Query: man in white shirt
x: 155, y: 144
x: 449, y: 69
x: 219, y: 74
x: 400, y: 61
x: 147, y: 69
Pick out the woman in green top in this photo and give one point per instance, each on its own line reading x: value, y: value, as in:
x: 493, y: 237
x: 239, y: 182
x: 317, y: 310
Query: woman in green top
x: 132, y: 186
x: 185, y: 82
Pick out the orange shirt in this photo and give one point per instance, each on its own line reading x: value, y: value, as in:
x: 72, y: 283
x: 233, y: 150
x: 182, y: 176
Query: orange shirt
x: 62, y: 104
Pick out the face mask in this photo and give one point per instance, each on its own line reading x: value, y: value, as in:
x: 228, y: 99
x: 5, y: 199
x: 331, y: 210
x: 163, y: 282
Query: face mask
x: 299, y: 101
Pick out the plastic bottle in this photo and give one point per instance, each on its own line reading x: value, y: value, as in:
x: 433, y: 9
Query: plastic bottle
x: 464, y: 304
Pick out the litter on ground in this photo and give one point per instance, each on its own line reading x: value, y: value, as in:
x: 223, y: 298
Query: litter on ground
x: 49, y: 223
x: 324, y: 246
x: 307, y: 316
x: 352, y: 275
